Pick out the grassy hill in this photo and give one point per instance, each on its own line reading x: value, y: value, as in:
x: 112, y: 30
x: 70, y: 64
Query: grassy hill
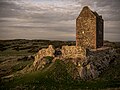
x: 57, y: 75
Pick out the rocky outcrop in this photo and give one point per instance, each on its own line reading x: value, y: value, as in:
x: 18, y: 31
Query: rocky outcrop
x: 96, y: 63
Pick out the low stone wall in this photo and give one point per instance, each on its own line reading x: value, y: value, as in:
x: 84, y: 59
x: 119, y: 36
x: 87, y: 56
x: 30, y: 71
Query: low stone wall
x: 103, y: 50
x: 73, y: 52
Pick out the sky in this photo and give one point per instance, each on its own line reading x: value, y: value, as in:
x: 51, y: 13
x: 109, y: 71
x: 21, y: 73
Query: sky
x: 54, y: 19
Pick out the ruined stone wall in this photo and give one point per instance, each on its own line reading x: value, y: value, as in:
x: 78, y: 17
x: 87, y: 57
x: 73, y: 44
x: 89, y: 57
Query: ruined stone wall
x: 66, y: 52
x: 95, y: 52
x: 43, y: 53
x: 73, y: 52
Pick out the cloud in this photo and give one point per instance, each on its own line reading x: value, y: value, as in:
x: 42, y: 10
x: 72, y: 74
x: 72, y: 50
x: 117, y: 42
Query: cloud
x: 53, y: 19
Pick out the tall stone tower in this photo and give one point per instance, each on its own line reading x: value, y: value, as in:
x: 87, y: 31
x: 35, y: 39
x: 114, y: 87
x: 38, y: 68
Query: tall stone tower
x: 89, y: 29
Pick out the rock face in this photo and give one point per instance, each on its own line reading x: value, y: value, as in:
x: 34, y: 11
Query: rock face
x: 96, y: 63
x: 73, y: 52
x: 89, y: 29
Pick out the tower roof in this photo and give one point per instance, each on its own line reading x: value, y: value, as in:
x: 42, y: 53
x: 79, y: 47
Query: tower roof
x: 87, y: 12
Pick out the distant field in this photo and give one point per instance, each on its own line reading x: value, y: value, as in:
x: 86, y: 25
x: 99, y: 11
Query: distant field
x: 28, y: 46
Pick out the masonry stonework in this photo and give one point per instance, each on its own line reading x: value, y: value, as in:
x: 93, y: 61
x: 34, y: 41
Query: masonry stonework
x: 73, y: 52
x: 89, y: 29
x: 43, y: 53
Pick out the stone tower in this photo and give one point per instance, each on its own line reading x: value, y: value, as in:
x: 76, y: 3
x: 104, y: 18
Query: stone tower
x: 89, y: 29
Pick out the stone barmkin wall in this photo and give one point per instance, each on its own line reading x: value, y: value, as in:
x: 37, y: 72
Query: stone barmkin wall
x: 67, y: 52
x: 73, y: 52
